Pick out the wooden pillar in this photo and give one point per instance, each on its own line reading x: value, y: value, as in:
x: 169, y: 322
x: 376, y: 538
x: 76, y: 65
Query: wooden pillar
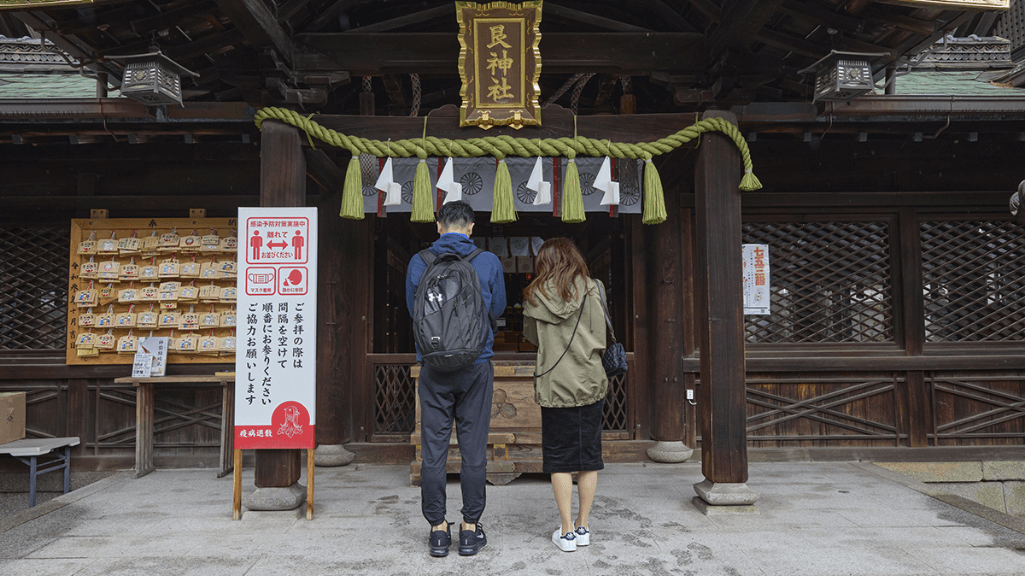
x: 282, y: 183
x: 345, y: 264
x: 667, y: 346
x: 912, y: 318
x: 720, y: 319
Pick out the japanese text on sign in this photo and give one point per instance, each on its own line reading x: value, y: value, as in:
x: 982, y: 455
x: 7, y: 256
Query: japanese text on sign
x: 756, y: 279
x: 276, y: 355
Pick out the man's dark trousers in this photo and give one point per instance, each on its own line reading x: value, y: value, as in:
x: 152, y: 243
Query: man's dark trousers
x: 466, y: 396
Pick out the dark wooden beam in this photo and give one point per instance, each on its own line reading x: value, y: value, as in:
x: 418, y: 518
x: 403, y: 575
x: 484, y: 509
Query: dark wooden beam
x: 557, y: 123
x: 899, y: 21
x: 621, y: 53
x: 290, y: 8
x: 669, y: 15
x: 708, y: 8
x: 720, y: 317
x: 144, y: 26
x: 330, y: 14
x: 741, y: 21
x: 791, y: 43
x: 259, y: 26
x: 556, y: 12
x: 811, y: 13
x: 416, y: 18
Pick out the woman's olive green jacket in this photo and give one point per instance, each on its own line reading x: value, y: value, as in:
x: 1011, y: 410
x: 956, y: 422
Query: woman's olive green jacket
x: 578, y: 379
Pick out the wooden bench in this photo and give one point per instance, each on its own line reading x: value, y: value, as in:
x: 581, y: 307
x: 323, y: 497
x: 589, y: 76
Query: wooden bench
x: 514, y: 439
x: 29, y: 450
x: 144, y: 416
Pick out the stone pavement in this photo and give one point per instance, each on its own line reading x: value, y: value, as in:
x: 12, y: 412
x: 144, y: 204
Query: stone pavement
x: 816, y: 519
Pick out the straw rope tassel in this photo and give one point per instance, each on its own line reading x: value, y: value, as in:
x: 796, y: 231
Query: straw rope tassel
x: 654, y: 198
x: 352, y: 191
x: 423, y: 203
x: 572, y: 196
x: 503, y: 209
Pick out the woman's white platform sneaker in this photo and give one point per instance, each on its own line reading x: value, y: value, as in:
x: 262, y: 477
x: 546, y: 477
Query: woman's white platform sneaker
x: 566, y: 542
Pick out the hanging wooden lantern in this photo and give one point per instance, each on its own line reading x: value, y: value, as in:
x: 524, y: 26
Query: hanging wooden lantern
x: 843, y: 75
x: 152, y: 78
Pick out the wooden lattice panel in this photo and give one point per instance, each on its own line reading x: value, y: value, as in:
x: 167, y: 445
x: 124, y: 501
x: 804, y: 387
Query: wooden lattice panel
x: 614, y: 416
x: 978, y: 410
x: 33, y: 288
x: 831, y: 282
x: 822, y: 411
x: 394, y: 399
x: 974, y: 280
x: 102, y: 230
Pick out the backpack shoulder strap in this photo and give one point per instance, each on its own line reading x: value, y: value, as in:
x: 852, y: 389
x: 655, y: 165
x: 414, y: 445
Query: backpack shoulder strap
x: 427, y: 256
x: 472, y: 255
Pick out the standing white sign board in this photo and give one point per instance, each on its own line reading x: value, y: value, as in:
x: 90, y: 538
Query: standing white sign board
x: 276, y: 350
x: 756, y: 279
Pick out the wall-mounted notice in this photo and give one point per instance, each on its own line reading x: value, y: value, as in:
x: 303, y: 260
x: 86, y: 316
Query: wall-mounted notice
x: 276, y: 354
x: 756, y: 279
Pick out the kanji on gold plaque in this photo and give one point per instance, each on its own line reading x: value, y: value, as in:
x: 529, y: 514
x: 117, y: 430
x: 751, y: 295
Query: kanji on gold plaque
x: 500, y: 63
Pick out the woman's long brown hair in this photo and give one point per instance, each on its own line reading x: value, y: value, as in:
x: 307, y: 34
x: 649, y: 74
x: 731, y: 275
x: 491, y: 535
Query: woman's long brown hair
x: 560, y: 261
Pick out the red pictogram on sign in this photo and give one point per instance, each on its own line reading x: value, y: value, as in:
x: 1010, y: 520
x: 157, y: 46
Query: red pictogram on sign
x: 277, y: 240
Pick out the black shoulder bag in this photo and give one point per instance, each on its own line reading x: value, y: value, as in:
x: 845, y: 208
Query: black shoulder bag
x: 614, y: 358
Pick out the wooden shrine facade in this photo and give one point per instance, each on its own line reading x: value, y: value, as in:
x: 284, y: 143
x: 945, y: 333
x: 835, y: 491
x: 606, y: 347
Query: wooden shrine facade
x: 896, y: 274
x: 896, y: 266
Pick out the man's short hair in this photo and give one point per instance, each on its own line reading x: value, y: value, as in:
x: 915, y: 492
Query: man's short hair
x: 456, y: 214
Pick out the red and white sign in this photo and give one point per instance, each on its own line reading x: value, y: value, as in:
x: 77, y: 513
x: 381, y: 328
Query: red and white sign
x: 277, y: 239
x: 276, y: 350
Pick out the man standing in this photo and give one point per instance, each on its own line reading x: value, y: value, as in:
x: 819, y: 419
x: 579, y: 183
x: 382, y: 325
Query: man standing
x: 464, y: 395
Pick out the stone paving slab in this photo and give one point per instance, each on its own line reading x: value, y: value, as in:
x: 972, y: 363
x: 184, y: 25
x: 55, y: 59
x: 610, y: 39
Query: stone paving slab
x: 814, y: 519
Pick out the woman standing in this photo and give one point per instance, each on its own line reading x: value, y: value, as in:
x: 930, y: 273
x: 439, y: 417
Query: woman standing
x: 563, y: 315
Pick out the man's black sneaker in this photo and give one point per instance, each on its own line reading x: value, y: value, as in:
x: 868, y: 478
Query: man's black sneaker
x: 440, y: 541
x: 470, y: 541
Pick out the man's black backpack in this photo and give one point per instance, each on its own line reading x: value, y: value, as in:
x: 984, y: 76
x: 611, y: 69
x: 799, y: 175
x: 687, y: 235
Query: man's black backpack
x: 450, y: 322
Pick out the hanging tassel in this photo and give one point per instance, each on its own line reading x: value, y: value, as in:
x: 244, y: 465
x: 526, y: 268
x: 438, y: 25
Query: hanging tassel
x: 654, y: 199
x: 423, y: 204
x: 503, y: 209
x: 749, y: 182
x: 572, y: 197
x: 352, y: 192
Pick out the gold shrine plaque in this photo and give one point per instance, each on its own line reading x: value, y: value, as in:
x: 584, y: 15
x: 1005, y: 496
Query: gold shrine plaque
x: 499, y: 63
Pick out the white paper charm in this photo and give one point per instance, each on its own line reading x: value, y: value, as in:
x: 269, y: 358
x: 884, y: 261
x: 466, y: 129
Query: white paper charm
x: 386, y: 183
x: 611, y: 197
x: 536, y: 183
x: 446, y: 181
x: 603, y: 181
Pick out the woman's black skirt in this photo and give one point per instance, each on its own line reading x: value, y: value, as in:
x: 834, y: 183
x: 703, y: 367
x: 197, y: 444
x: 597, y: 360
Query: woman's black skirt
x: 571, y: 438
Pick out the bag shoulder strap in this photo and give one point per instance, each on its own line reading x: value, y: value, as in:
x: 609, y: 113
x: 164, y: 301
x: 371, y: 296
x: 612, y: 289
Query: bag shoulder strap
x: 472, y: 255
x: 568, y: 344
x: 605, y: 308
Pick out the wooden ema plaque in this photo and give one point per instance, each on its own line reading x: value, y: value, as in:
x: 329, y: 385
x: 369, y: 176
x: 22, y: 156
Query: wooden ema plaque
x: 132, y: 278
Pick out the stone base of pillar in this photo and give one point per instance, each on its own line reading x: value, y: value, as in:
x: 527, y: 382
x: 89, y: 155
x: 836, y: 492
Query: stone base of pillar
x: 332, y: 455
x: 728, y: 498
x: 276, y: 498
x: 670, y: 452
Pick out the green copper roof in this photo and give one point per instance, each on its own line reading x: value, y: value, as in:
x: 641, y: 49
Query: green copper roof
x: 39, y: 86
x: 937, y: 83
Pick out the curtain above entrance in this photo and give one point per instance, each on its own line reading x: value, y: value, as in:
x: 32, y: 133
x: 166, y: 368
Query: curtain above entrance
x: 477, y: 176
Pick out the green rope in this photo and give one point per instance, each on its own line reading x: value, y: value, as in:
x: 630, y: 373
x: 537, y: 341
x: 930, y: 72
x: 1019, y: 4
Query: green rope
x: 503, y: 146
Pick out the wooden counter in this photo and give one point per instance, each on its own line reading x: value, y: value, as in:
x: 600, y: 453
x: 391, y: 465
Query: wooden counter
x: 514, y: 441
